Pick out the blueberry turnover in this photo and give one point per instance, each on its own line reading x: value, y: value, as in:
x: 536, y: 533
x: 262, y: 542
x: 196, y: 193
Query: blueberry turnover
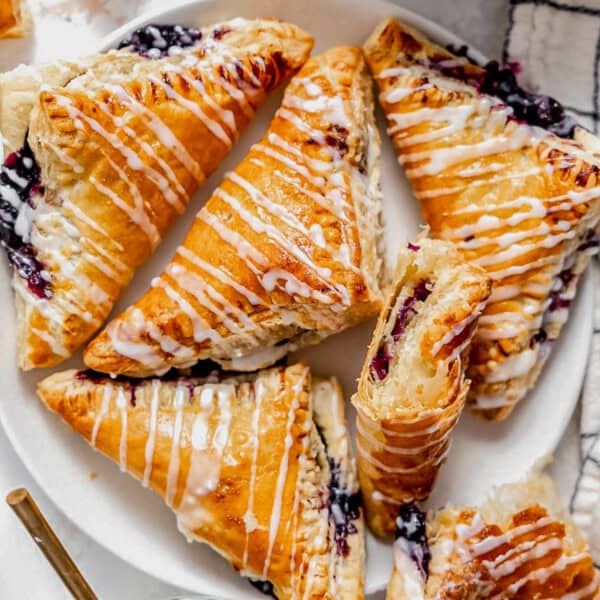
x: 510, y: 179
x: 284, y: 253
x: 412, y: 388
x: 102, y: 155
x: 520, y: 544
x: 258, y: 467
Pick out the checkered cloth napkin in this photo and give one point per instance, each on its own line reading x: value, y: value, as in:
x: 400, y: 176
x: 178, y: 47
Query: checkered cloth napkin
x: 557, y: 43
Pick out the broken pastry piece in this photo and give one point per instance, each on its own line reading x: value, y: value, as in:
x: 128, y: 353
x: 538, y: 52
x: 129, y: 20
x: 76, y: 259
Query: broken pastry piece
x: 258, y: 467
x: 15, y: 19
x: 519, y: 545
x: 412, y: 388
x: 285, y: 252
x: 102, y: 155
x: 510, y: 179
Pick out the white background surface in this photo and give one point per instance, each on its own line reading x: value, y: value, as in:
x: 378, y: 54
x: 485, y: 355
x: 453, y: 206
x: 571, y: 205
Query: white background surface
x: 23, y: 572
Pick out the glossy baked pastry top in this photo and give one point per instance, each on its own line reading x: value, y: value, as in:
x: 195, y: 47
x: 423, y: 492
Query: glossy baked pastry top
x: 103, y: 154
x: 284, y: 253
x: 507, y: 177
x: 412, y: 388
x: 257, y: 466
x: 519, y: 545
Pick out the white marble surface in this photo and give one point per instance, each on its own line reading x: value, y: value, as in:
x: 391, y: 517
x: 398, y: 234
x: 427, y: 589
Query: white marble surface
x: 71, y: 27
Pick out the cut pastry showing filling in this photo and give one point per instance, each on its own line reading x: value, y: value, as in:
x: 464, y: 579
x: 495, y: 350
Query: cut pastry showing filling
x: 103, y: 154
x: 256, y: 466
x: 492, y: 175
x: 412, y: 388
x: 520, y: 544
x: 285, y: 252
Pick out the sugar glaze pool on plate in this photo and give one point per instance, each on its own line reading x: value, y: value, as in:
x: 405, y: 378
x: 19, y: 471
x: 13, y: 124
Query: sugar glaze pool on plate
x: 132, y: 522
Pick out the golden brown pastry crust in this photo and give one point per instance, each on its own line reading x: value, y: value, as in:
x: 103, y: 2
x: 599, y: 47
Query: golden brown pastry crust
x: 406, y: 413
x: 520, y: 544
x: 240, y: 462
x: 122, y: 143
x: 15, y: 19
x: 284, y: 253
x: 520, y: 202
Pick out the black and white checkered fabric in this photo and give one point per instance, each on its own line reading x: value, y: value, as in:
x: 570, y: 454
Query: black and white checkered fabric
x: 557, y: 44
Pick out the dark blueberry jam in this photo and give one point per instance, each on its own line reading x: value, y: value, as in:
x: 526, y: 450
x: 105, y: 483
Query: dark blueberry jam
x: 591, y: 242
x: 535, y: 109
x: 501, y: 82
x: 380, y: 364
x: 411, y: 535
x: 219, y: 32
x: 337, y: 138
x: 155, y: 41
x: 539, y: 338
x: 344, y: 508
x: 19, y: 180
x: 201, y: 370
x: 266, y: 587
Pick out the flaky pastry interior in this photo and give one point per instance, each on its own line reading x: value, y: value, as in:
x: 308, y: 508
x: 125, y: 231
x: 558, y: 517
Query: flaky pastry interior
x: 510, y: 179
x: 413, y: 387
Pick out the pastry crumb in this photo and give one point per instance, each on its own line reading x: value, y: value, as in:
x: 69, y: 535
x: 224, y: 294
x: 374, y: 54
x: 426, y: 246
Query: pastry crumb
x: 93, y: 475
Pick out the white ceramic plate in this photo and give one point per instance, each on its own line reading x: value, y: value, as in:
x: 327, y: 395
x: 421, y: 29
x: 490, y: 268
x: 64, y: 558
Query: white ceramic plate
x: 129, y: 520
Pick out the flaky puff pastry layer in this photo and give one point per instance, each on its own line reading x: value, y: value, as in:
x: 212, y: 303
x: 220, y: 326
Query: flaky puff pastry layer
x: 285, y: 252
x: 408, y: 409
x: 242, y: 464
x: 520, y: 544
x: 516, y: 200
x: 122, y: 142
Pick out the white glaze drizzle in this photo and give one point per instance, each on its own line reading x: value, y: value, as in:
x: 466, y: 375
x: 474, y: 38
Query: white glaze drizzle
x: 173, y: 471
x: 274, y: 522
x: 151, y: 441
x: 106, y: 397
x: 122, y: 406
x: 250, y: 520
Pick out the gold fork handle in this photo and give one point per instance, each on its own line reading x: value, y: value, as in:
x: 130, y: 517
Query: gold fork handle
x: 30, y: 515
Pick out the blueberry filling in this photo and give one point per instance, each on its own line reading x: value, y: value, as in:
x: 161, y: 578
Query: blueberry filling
x: 201, y: 370
x: 539, y: 338
x: 265, y: 587
x: 501, y: 82
x: 219, y: 32
x: 411, y: 536
x: 20, y: 179
x: 156, y: 41
x: 337, y: 138
x: 535, y: 109
x: 380, y: 364
x: 566, y: 279
x: 590, y: 244
x: 344, y: 508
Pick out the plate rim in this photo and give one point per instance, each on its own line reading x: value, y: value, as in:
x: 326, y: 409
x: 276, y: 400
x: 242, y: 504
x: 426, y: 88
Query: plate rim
x: 585, y: 294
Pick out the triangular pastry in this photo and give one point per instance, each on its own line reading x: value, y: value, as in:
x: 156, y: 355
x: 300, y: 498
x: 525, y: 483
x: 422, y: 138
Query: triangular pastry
x: 412, y: 388
x: 520, y: 544
x: 497, y: 172
x: 256, y: 466
x: 102, y: 155
x: 284, y: 253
